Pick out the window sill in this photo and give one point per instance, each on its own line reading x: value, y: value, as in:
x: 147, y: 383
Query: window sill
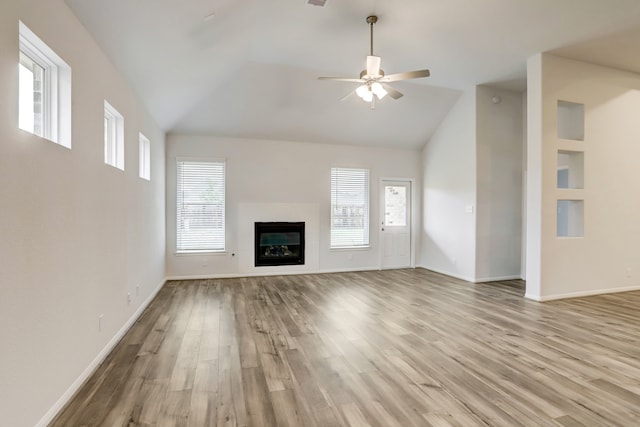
x: 350, y: 248
x: 199, y: 253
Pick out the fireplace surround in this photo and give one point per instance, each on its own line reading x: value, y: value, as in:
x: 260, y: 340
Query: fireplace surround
x: 279, y: 243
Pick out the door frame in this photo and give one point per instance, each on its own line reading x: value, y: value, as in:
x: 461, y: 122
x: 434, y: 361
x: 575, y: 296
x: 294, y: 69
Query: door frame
x: 413, y: 214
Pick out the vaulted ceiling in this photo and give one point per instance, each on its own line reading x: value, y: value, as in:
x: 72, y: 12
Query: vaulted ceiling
x: 251, y: 69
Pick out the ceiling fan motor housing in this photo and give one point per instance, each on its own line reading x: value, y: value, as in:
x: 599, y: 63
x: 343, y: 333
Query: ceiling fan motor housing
x: 364, y: 73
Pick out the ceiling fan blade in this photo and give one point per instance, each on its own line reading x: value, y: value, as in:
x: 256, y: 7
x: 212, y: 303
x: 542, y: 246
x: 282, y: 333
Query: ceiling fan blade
x: 373, y: 65
x: 347, y: 96
x: 395, y: 94
x: 342, y: 79
x: 405, y: 76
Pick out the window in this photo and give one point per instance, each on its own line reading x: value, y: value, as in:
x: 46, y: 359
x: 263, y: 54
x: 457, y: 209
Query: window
x: 145, y: 157
x: 113, y: 137
x: 349, y: 207
x: 44, y: 91
x: 200, y: 199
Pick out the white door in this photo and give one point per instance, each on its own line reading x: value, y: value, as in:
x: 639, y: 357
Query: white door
x: 395, y: 230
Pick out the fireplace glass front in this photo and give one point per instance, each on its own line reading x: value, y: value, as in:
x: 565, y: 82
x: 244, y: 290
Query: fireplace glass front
x: 279, y: 243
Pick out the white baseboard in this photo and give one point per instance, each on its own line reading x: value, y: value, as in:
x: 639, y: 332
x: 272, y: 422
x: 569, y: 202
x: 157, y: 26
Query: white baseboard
x: 268, y: 273
x: 472, y: 279
x: 497, y: 278
x: 84, y: 376
x: 581, y: 294
x: 533, y: 297
x: 348, y: 270
x: 448, y: 273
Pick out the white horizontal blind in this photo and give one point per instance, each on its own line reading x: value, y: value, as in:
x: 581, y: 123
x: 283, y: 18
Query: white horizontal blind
x: 349, y: 207
x: 200, y: 206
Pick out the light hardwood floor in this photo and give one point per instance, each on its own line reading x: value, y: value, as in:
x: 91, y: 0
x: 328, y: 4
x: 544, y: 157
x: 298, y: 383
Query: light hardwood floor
x: 390, y: 348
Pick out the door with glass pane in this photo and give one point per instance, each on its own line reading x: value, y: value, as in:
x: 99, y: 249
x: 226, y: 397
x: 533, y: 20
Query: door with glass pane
x: 395, y: 229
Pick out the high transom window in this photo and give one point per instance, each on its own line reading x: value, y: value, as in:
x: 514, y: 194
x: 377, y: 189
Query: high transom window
x: 44, y: 91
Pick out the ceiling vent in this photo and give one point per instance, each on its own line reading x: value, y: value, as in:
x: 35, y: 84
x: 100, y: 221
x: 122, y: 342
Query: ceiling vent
x: 320, y: 3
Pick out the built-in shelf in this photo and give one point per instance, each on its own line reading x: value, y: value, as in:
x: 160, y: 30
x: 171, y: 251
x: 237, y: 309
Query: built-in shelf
x: 570, y: 120
x: 570, y: 218
x: 570, y: 169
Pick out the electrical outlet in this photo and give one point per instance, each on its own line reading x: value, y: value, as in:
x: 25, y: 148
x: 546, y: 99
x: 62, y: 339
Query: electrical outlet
x: 128, y: 297
x: 100, y: 317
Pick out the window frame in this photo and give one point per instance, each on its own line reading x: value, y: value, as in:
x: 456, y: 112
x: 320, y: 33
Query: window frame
x: 56, y: 87
x: 113, y: 137
x: 336, y: 243
x: 217, y: 244
x: 144, y: 149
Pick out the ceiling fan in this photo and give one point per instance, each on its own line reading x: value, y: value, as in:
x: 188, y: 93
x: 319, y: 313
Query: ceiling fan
x: 373, y: 82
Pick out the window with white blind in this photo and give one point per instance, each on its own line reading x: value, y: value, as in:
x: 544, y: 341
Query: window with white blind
x: 200, y: 203
x: 44, y: 92
x: 349, y: 207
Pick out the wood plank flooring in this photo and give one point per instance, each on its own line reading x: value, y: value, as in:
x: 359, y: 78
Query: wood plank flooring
x: 389, y: 348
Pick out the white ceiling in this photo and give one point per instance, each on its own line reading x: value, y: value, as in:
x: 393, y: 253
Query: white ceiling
x: 251, y: 70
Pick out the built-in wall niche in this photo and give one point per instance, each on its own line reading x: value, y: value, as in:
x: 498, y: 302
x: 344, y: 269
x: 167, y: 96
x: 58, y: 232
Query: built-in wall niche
x: 570, y: 169
x: 570, y: 218
x: 570, y: 120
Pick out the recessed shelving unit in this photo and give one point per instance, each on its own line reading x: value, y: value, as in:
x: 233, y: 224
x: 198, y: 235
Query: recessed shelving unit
x: 570, y: 120
x: 570, y: 169
x: 570, y: 218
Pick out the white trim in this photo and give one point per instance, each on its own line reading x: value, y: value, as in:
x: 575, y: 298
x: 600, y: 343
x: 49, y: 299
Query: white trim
x: 448, y: 273
x: 533, y: 297
x: 200, y: 253
x: 86, y: 374
x: 268, y: 273
x: 497, y: 278
x: 351, y: 248
x: 582, y: 294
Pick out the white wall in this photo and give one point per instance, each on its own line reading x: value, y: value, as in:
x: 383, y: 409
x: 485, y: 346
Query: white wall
x: 76, y: 235
x: 449, y: 190
x: 499, y: 146
x: 605, y: 259
x: 279, y: 180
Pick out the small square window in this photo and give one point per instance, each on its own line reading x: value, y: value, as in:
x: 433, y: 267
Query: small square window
x: 113, y: 137
x: 44, y: 90
x: 145, y: 157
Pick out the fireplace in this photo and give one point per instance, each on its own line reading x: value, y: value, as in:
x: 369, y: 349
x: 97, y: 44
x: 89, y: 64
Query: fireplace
x: 279, y: 243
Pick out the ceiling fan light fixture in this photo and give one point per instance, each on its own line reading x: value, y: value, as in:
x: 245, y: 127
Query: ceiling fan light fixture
x: 363, y: 91
x: 378, y: 90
